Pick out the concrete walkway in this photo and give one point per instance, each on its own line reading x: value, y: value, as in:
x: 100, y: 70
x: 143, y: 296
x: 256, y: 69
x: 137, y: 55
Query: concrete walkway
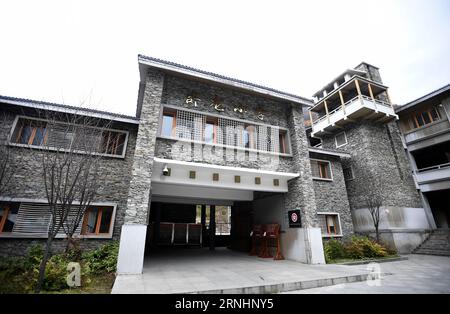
x: 194, y: 270
x: 418, y: 274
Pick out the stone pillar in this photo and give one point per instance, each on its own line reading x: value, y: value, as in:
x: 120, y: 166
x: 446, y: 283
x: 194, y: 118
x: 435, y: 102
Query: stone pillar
x: 132, y: 240
x: 212, y: 227
x: 301, y: 192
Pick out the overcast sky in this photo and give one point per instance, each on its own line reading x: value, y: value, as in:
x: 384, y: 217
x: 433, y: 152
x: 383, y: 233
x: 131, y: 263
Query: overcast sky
x: 86, y: 51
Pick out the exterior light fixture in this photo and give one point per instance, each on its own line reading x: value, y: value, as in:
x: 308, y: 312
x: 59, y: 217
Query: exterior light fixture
x: 166, y: 171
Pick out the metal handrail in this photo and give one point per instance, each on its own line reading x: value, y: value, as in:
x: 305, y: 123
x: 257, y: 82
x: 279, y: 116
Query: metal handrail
x: 442, y: 166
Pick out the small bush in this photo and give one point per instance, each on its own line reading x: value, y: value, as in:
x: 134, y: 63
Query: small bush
x: 334, y: 250
x: 356, y: 248
x: 104, y: 259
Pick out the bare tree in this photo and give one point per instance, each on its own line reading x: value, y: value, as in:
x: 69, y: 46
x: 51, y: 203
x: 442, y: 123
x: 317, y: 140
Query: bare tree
x: 373, y: 200
x: 71, y: 150
x: 6, y: 159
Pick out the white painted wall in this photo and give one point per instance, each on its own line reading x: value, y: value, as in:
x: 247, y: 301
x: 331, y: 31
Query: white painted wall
x: 293, y: 240
x: 188, y: 191
x: 391, y: 218
x: 131, y: 249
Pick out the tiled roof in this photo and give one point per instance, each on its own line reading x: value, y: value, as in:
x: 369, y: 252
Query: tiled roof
x: 222, y: 77
x: 61, y: 107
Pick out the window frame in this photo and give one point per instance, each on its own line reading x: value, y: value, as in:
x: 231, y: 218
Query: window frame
x: 60, y: 236
x: 98, y: 222
x: 4, y: 218
x: 174, y: 122
x: 16, y: 121
x: 335, y: 139
x: 330, y: 168
x: 213, y: 115
x: 415, y: 122
x: 209, y: 120
x: 328, y: 235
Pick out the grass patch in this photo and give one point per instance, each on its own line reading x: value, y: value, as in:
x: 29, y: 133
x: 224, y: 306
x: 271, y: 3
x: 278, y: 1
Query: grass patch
x: 348, y: 260
x: 19, y: 274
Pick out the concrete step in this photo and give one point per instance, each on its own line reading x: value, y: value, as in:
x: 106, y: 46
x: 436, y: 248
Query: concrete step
x: 438, y: 243
x: 433, y: 252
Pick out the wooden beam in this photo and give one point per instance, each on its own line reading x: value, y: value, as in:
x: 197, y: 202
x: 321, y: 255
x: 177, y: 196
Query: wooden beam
x: 342, y: 100
x: 310, y: 117
x: 326, y: 110
x: 358, y: 89
x: 371, y: 96
x: 370, y: 92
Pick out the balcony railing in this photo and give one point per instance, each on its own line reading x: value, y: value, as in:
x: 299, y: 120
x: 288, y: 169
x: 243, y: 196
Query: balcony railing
x: 443, y: 166
x: 427, y: 131
x: 433, y: 178
x: 353, y: 108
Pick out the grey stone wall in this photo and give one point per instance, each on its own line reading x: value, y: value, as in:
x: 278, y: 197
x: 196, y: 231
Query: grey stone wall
x: 114, y: 177
x: 331, y: 196
x: 377, y: 151
x: 139, y: 196
x: 176, y: 90
x: 301, y: 190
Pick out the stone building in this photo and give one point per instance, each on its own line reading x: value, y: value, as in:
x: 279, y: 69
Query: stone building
x: 425, y: 125
x: 354, y: 113
x: 204, y: 147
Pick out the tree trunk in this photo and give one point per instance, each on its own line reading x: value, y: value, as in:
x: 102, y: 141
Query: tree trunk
x: 43, y: 265
x: 377, y: 234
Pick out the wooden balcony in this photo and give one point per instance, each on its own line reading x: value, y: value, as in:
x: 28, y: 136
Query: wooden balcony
x: 353, y: 104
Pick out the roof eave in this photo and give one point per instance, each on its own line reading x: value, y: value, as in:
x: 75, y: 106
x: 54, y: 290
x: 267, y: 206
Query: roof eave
x: 73, y: 110
x: 423, y: 98
x: 221, y: 80
x: 329, y: 152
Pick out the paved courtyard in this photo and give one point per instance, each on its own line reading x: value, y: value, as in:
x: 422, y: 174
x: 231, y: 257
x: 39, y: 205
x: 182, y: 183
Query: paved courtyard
x: 181, y: 270
x: 418, y: 274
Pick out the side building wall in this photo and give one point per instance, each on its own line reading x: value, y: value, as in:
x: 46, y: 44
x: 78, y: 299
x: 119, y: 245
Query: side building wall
x: 377, y: 154
x: 26, y: 184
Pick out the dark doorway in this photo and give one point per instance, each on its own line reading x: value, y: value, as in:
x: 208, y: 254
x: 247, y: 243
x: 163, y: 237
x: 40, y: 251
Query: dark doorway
x: 187, y: 225
x: 440, y: 207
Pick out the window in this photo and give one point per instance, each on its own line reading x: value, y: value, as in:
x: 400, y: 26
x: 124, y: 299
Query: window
x: 330, y: 224
x: 64, y: 136
x: 321, y: 169
x: 8, y: 215
x: 282, y: 142
x: 348, y: 174
x: 33, y: 219
x: 112, y: 143
x: 97, y: 220
x: 210, y: 131
x: 30, y: 132
x: 168, y: 124
x: 222, y: 218
x: 191, y: 125
x: 341, y: 139
x: 425, y: 117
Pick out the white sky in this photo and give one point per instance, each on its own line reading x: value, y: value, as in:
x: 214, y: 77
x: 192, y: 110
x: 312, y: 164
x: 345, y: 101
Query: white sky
x: 86, y: 51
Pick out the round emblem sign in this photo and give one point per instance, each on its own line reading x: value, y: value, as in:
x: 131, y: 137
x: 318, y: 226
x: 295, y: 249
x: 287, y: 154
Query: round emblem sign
x: 294, y: 217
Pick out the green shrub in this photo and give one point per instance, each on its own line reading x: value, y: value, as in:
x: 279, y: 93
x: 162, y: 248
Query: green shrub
x: 104, y: 259
x: 34, y: 257
x: 334, y: 250
x: 12, y: 265
x: 363, y: 247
